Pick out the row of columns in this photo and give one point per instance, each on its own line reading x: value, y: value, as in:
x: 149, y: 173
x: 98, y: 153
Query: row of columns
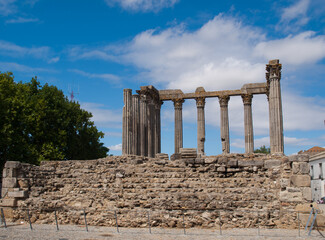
x: 224, y: 124
x: 141, y: 119
x: 141, y: 123
x: 273, y: 77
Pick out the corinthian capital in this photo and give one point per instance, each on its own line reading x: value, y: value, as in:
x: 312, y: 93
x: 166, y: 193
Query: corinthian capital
x: 178, y: 103
x: 223, y: 100
x: 247, y: 99
x: 273, y: 70
x: 200, y: 102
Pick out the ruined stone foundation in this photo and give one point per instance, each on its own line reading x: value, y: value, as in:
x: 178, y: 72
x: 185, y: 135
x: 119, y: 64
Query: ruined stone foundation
x: 232, y: 190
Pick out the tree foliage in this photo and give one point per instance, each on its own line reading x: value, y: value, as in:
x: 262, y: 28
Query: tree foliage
x: 39, y: 123
x: 262, y: 149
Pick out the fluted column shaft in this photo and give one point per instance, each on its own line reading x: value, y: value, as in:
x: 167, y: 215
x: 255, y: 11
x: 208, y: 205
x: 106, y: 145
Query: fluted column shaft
x: 273, y: 77
x: 127, y: 122
x: 224, y: 123
x: 248, y: 123
x: 136, y: 125
x: 178, y: 106
x: 200, y: 103
x: 151, y: 131
x: 158, y: 127
x: 143, y: 126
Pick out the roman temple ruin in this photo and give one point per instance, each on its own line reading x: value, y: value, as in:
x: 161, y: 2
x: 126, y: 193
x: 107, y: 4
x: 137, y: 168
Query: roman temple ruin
x: 229, y: 190
x: 142, y: 121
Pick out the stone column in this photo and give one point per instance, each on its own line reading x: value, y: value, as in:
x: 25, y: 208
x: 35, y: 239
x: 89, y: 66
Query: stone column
x: 178, y: 105
x: 248, y: 123
x: 136, y: 124
x: 127, y: 122
x: 151, y: 132
x: 124, y: 135
x: 143, y: 126
x: 273, y: 76
x: 224, y: 123
x: 158, y: 127
x: 200, y: 103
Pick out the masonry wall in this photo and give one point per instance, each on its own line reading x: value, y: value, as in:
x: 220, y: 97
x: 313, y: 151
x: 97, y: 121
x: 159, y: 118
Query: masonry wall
x: 233, y: 190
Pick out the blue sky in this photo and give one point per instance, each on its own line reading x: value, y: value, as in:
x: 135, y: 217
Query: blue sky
x: 96, y: 48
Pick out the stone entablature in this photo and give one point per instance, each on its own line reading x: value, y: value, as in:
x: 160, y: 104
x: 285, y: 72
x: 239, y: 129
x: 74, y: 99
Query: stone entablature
x: 144, y: 138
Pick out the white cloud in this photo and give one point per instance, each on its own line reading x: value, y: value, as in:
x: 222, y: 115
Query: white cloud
x: 223, y: 54
x: 297, y: 141
x: 22, y: 20
x: 303, y: 113
x: 181, y: 59
x: 106, y: 76
x: 117, y: 147
x: 76, y: 53
x: 13, y: 50
x: 299, y: 49
x: 54, y: 60
x: 113, y: 134
x: 7, y: 7
x: 297, y: 13
x: 143, y: 5
x: 102, y: 116
x: 265, y: 141
x: 13, y: 67
x: 31, y: 2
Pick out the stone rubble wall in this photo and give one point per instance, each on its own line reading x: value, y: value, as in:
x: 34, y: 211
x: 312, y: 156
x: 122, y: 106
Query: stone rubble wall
x: 233, y: 190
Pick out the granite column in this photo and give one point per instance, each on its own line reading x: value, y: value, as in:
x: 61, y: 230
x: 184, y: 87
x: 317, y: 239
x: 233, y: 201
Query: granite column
x: 178, y: 106
x: 136, y: 124
x: 273, y: 77
x: 224, y: 123
x: 248, y: 123
x: 143, y: 126
x: 158, y: 127
x: 200, y: 103
x: 127, y: 122
x: 150, y: 119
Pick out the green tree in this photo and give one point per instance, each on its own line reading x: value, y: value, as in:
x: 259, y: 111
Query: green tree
x: 262, y: 149
x: 39, y: 123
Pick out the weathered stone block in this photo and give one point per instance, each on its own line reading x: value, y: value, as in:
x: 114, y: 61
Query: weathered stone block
x: 295, y: 167
x: 284, y: 182
x: 232, y: 163
x: 299, y: 158
x: 4, y: 192
x: 300, y: 180
x: 293, y: 189
x: 4, y: 173
x: 17, y: 194
x: 272, y: 163
x: 222, y: 160
x: 199, y: 160
x: 250, y: 163
x: 293, y: 158
x: 23, y: 183
x: 304, y: 167
x: 286, y: 196
x: 306, y: 193
x: 221, y: 169
x: 305, y: 207
x: 12, y: 164
x: 9, y: 203
x: 209, y: 160
x: 9, y: 182
x: 303, y: 158
x: 10, y: 172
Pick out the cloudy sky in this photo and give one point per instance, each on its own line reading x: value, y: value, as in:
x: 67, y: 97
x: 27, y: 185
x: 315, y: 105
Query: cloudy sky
x: 96, y: 48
